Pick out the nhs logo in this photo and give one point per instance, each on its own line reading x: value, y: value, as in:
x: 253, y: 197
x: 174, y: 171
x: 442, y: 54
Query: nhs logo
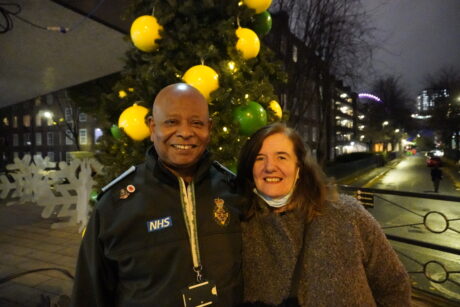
x: 159, y: 224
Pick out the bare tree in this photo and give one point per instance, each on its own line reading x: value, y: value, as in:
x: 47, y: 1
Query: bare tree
x: 339, y: 44
x: 392, y: 116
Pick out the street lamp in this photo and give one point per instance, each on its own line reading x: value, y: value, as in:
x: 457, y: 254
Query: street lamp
x: 385, y: 123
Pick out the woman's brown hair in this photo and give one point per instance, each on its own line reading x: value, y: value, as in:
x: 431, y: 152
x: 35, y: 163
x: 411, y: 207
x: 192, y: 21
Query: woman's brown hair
x: 312, y: 188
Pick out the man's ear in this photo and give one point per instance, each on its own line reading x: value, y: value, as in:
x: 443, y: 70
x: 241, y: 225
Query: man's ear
x: 151, y: 124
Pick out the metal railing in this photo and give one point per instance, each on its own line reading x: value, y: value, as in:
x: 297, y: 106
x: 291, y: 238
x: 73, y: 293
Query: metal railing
x: 424, y: 229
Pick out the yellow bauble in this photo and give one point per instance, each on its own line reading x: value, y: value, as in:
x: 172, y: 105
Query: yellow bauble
x: 144, y: 31
x: 132, y: 120
x: 258, y: 5
x: 276, y: 108
x: 203, y: 78
x: 248, y: 43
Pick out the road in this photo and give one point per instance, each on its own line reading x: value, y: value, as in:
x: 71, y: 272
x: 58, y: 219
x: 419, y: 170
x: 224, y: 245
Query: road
x: 423, y: 220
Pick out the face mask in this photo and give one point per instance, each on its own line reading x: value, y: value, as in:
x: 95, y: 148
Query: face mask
x: 279, y: 201
x: 274, y: 202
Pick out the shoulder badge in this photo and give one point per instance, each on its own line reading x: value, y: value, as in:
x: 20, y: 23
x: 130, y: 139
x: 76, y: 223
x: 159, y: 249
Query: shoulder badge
x: 221, y: 214
x: 116, y: 180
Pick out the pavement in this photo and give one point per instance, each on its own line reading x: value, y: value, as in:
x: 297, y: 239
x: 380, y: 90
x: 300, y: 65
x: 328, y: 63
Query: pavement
x: 27, y: 243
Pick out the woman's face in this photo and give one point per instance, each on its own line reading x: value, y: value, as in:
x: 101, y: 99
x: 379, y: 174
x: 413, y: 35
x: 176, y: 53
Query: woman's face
x: 275, y: 167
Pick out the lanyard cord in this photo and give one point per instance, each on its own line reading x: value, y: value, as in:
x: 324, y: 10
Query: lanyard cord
x: 187, y: 197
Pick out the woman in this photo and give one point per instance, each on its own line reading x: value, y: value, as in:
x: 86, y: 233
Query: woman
x: 303, y: 244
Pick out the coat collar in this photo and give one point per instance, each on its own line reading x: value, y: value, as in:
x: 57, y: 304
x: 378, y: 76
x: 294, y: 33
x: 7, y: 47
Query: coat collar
x: 164, y: 175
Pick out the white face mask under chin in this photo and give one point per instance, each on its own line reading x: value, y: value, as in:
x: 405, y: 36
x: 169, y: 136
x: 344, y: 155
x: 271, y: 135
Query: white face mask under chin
x: 274, y: 202
x: 279, y: 201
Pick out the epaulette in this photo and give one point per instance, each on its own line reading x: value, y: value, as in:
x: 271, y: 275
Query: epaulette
x: 229, y: 175
x: 220, y: 167
x: 130, y: 170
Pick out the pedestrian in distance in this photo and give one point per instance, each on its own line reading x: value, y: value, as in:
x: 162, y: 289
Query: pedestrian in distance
x: 303, y: 243
x: 166, y: 233
x: 436, y: 177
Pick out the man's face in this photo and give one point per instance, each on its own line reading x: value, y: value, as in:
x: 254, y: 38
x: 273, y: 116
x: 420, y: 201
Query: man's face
x: 180, y: 128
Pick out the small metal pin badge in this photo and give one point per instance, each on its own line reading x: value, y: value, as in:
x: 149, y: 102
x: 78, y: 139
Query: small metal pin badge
x: 125, y: 193
x: 130, y: 188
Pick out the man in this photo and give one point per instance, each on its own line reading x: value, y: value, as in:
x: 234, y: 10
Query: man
x: 436, y: 177
x: 168, y: 233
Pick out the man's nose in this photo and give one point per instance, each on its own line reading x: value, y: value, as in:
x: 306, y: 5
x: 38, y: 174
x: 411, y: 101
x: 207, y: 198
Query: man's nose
x: 185, y: 131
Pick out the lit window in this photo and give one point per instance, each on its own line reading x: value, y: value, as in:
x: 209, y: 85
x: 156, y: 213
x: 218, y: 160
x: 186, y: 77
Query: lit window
x: 68, y: 137
x: 51, y: 156
x: 26, y: 120
x: 15, y: 121
x: 83, y: 136
x: 50, y: 138
x: 68, y: 114
x: 98, y: 133
x: 5, y: 121
x: 82, y: 117
x: 38, y: 120
x: 26, y: 138
x: 38, y: 138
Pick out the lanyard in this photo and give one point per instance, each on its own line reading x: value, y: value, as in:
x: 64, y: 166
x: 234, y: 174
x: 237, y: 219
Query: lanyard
x: 187, y: 197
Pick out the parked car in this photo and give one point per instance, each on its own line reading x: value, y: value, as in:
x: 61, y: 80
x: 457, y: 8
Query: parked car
x: 433, y: 161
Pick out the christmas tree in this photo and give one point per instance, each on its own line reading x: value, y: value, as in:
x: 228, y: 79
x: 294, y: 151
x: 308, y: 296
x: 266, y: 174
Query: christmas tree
x: 213, y: 45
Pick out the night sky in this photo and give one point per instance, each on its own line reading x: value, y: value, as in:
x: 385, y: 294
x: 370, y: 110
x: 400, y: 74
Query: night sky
x: 417, y: 37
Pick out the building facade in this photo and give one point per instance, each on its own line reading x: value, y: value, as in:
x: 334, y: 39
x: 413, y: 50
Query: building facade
x: 49, y: 125
x: 327, y: 118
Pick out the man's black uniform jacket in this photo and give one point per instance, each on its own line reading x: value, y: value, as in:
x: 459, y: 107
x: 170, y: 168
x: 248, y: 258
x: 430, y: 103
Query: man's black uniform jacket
x: 136, y: 249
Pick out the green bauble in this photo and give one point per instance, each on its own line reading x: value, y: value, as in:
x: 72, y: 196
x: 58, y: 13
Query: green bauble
x: 262, y: 23
x: 93, y: 195
x: 250, y: 117
x: 116, y: 132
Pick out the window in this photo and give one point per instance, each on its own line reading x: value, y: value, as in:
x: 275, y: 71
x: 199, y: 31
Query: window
x: 38, y: 138
x: 15, y: 121
x: 82, y: 117
x: 68, y: 157
x: 294, y: 54
x: 51, y: 156
x: 50, y: 138
x: 68, y: 114
x: 5, y: 121
x: 15, y: 139
x: 68, y: 137
x: 38, y: 120
x: 82, y: 136
x: 27, y: 139
x: 26, y: 120
x: 97, y: 134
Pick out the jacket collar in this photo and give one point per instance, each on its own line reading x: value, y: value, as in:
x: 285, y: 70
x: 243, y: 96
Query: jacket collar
x: 165, y: 175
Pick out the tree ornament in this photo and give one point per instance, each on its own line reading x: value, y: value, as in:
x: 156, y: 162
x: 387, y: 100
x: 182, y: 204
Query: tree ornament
x: 116, y: 132
x: 276, y: 108
x: 145, y: 30
x: 258, y: 5
x: 250, y: 117
x: 132, y: 120
x: 262, y: 23
x: 93, y: 195
x: 248, y: 43
x: 203, y: 78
